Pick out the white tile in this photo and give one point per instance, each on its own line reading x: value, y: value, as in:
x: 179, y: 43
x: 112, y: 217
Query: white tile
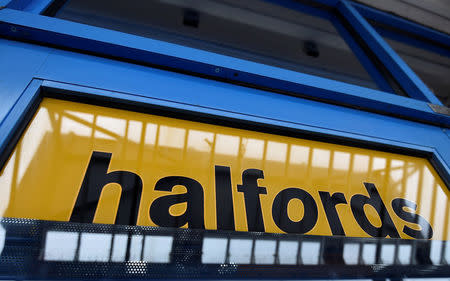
x: 60, y: 246
x: 119, y: 247
x: 136, y: 247
x: 158, y: 248
x: 310, y: 252
x: 404, y: 254
x: 287, y: 252
x: 387, y: 253
x: 368, y: 253
x: 214, y: 250
x: 351, y: 253
x: 240, y: 251
x: 265, y: 251
x: 95, y: 247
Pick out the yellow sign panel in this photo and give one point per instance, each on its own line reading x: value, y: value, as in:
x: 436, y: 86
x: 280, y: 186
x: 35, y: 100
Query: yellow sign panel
x: 85, y: 163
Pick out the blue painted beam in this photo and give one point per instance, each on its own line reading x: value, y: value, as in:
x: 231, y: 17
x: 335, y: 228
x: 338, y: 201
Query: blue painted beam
x: 56, y: 32
x: 37, y: 6
x: 30, y: 6
x: 4, y: 3
x: 409, y: 81
x: 16, y: 115
x: 18, y: 4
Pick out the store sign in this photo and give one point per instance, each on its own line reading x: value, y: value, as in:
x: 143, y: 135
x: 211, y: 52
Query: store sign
x: 91, y: 164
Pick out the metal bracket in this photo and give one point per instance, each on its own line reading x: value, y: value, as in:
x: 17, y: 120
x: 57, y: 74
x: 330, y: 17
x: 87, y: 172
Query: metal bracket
x: 440, y: 109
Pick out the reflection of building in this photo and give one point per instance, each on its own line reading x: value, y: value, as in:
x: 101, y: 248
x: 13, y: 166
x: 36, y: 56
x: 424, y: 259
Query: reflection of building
x: 325, y: 95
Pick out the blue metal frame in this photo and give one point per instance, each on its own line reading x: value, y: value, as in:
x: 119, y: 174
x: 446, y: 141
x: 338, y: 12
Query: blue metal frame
x: 64, y: 34
x: 401, y: 71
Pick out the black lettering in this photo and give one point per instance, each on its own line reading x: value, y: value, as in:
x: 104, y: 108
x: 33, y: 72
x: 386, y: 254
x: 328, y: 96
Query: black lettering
x: 280, y: 211
x: 251, y: 192
x: 94, y: 181
x: 358, y: 202
x: 224, y: 199
x: 398, y: 206
x: 159, y: 210
x: 329, y: 204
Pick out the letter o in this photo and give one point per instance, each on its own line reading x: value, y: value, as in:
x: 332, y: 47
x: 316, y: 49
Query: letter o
x: 280, y: 211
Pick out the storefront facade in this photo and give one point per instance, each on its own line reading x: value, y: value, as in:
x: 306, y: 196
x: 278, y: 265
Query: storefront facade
x: 247, y: 137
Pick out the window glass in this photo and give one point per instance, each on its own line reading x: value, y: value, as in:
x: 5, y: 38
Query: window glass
x: 252, y: 30
x: 429, y: 60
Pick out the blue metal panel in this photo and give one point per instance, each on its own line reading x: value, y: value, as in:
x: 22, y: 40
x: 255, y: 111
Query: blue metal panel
x: 37, y: 6
x: 31, y: 6
x: 403, y: 24
x: 4, y: 3
x: 18, y: 63
x: 18, y: 4
x: 148, y: 51
x: 12, y: 121
x: 400, y: 70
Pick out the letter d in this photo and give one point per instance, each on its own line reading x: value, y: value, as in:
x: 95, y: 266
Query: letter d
x: 95, y: 179
x: 358, y: 202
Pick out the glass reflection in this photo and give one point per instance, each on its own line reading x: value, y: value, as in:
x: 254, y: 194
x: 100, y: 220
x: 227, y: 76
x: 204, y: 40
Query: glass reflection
x: 228, y: 145
x: 276, y: 151
x: 253, y: 149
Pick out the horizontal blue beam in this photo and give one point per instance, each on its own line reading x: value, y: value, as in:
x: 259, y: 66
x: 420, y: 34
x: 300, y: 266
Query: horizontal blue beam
x: 409, y: 81
x: 56, y: 32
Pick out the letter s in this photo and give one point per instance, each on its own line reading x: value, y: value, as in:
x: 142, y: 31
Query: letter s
x: 426, y: 231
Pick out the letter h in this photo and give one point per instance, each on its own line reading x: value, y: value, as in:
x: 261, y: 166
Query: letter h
x: 95, y: 179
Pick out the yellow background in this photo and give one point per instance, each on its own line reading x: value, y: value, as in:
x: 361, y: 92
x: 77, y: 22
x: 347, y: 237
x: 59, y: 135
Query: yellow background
x: 42, y: 178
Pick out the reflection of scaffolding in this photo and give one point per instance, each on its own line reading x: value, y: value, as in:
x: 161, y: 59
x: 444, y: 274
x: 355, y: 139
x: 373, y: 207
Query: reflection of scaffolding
x: 44, y: 249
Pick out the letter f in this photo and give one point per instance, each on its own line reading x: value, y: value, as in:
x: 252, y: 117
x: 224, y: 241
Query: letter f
x: 251, y: 192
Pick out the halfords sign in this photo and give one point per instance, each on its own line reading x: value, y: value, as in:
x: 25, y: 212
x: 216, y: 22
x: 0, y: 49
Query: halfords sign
x: 86, y: 163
